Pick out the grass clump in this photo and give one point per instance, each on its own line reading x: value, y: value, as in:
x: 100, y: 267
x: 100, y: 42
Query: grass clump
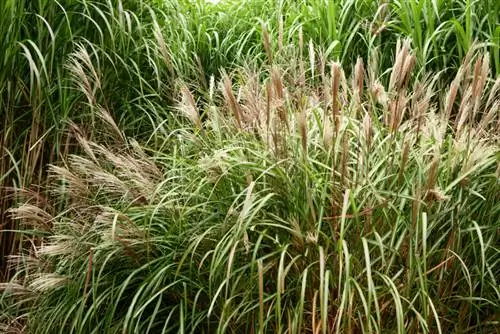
x: 66, y: 61
x: 187, y: 167
x: 292, y: 200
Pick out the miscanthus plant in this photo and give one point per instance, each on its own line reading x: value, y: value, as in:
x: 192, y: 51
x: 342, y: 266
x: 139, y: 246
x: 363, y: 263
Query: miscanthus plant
x: 118, y: 50
x: 294, y: 200
x: 133, y: 51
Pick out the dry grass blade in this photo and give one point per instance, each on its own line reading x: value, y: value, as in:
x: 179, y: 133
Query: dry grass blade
x: 232, y: 103
x: 188, y: 107
x: 266, y: 40
x: 336, y: 72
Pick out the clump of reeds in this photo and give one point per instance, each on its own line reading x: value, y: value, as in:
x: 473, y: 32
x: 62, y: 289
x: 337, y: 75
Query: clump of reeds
x: 326, y: 207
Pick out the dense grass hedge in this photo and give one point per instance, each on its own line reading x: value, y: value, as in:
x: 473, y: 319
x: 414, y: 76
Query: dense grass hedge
x: 300, y: 166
